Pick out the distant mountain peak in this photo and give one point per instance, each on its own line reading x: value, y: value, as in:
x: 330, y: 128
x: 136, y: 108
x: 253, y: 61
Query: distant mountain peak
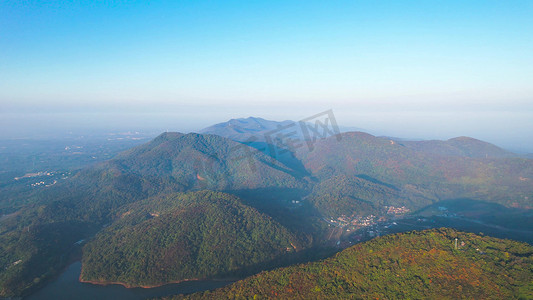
x: 241, y: 129
x: 170, y: 135
x: 465, y: 139
x: 358, y: 134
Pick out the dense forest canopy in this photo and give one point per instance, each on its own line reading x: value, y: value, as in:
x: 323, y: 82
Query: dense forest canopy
x: 414, y: 265
x: 185, y: 236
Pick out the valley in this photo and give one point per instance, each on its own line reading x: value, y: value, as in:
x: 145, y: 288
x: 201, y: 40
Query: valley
x: 194, y: 206
x: 164, y: 150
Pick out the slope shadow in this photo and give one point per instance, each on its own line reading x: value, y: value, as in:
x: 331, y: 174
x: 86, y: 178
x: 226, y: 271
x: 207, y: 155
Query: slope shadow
x: 377, y: 181
x: 474, y: 208
x: 284, y: 156
x: 477, y: 215
x: 278, y: 203
x: 284, y: 260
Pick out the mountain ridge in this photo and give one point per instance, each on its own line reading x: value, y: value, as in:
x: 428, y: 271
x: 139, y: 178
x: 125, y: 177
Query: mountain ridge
x: 415, y: 265
x: 353, y: 174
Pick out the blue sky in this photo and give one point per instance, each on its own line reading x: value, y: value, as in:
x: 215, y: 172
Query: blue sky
x: 425, y: 69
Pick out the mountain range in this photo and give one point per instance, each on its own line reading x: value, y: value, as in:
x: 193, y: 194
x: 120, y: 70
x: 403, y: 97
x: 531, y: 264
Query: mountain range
x: 170, y: 209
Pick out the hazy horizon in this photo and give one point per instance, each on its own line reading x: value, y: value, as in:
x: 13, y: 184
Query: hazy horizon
x: 154, y: 123
x: 406, y: 69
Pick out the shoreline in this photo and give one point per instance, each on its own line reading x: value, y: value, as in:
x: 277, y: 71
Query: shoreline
x: 73, y: 257
x: 128, y: 286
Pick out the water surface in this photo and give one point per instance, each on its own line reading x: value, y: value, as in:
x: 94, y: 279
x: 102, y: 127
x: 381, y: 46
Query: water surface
x: 67, y: 286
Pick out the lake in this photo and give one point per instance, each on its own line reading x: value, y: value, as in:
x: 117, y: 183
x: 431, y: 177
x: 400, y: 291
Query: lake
x: 67, y: 286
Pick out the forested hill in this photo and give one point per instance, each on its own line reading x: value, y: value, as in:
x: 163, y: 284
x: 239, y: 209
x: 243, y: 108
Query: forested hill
x: 185, y: 236
x: 420, y: 176
x: 243, y: 129
x: 83, y: 203
x: 172, y: 162
x: 459, y: 146
x: 414, y: 265
x: 198, y: 161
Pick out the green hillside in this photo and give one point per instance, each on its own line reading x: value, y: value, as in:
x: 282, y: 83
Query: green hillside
x: 459, y: 146
x: 352, y: 195
x: 426, y: 176
x: 414, y: 265
x: 172, y: 162
x: 196, y: 161
x: 184, y: 236
x: 31, y: 255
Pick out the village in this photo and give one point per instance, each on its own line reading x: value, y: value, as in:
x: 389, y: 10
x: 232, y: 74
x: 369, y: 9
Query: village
x: 354, y: 221
x: 347, y: 230
x: 43, y: 178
